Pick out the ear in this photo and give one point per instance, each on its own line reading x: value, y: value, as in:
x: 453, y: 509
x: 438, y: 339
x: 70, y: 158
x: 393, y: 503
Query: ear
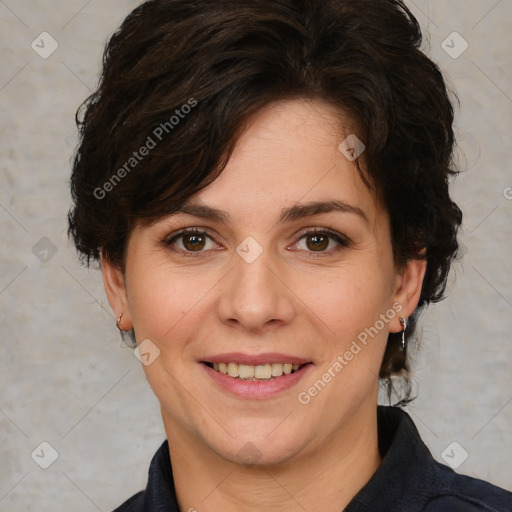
x: 408, y: 286
x: 115, y: 289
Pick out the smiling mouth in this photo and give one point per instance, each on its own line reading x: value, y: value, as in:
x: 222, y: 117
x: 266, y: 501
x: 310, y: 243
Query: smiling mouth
x: 262, y: 372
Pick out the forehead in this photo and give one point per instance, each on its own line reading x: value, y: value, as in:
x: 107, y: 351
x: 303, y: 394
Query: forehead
x: 290, y: 153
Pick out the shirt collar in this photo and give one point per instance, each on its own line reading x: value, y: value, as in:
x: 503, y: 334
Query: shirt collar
x: 407, y: 465
x: 398, y: 483
x: 160, y: 495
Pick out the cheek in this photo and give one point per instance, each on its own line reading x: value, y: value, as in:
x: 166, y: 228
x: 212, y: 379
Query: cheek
x: 162, y: 297
x: 354, y: 342
x: 348, y: 300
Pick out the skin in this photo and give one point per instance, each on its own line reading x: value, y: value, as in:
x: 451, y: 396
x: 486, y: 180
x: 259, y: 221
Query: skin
x: 295, y: 298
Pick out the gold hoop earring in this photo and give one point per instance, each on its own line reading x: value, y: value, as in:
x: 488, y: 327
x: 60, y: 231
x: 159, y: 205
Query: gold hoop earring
x: 118, y: 323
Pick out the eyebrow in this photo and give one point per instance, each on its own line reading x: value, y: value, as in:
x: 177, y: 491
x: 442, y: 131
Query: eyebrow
x: 293, y: 213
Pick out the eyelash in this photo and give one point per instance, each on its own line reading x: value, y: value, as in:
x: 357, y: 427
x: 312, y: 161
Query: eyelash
x: 342, y: 240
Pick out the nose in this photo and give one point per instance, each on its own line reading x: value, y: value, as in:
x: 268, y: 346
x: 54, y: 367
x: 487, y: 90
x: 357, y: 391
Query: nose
x: 254, y: 295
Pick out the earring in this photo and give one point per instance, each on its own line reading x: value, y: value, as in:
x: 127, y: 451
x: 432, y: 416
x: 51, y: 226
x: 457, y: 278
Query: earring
x: 118, y: 321
x: 403, y: 321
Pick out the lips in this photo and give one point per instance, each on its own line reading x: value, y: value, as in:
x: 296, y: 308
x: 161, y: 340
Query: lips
x: 260, y: 385
x: 255, y: 360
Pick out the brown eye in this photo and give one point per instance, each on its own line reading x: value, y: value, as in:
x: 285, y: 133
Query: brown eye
x: 322, y: 242
x: 190, y: 242
x: 193, y: 242
x: 317, y: 242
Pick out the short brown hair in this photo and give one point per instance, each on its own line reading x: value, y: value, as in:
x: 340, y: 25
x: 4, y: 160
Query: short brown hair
x: 230, y: 58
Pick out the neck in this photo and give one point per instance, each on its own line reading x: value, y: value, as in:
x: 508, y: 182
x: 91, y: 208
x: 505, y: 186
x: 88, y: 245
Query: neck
x: 326, y: 479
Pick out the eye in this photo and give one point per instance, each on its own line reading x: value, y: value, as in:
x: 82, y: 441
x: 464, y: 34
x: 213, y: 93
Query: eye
x: 319, y: 240
x: 191, y: 241
x: 194, y: 242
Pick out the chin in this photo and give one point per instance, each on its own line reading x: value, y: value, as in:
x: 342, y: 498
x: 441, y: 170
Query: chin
x: 257, y: 447
x: 251, y: 456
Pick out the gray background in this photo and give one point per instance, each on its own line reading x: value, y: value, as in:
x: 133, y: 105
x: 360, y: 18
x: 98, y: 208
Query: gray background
x: 65, y: 377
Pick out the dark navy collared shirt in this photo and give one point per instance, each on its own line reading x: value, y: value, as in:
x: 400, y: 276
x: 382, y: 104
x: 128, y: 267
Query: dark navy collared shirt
x: 409, y: 479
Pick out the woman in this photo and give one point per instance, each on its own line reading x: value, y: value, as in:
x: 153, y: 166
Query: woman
x: 265, y: 185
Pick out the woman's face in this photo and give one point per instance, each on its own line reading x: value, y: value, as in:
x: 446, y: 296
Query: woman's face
x: 272, y: 280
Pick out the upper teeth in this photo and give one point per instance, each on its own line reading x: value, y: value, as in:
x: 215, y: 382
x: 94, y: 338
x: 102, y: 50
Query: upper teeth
x: 264, y: 371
